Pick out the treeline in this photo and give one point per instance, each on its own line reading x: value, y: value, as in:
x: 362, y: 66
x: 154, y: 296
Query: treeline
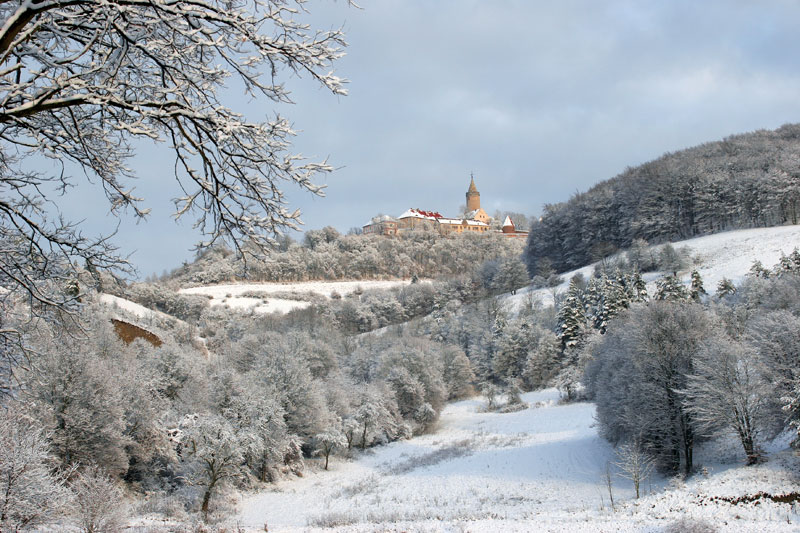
x: 744, y: 181
x: 368, y: 310
x: 327, y: 255
x: 363, y: 310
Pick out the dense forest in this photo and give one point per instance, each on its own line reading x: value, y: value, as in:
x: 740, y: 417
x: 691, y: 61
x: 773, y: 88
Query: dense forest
x: 743, y: 181
x: 328, y: 255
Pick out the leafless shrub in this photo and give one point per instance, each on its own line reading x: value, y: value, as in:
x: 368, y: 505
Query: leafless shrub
x: 636, y: 464
x: 690, y: 525
x: 457, y: 449
x: 332, y: 519
x: 99, y: 505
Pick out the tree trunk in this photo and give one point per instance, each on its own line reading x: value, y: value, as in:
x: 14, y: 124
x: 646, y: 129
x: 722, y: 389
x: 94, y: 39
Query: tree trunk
x: 207, y: 498
x: 364, y: 437
x: 749, y: 448
x: 204, y: 507
x: 688, y: 444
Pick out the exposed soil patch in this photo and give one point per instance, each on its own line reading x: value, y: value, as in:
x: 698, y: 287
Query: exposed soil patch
x: 790, y: 497
x: 128, y: 333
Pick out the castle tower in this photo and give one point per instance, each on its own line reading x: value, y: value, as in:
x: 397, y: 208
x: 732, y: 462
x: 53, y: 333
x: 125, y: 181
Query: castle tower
x: 473, y: 196
x: 508, y: 225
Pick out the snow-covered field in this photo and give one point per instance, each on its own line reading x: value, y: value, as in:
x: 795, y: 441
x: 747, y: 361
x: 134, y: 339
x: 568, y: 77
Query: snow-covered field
x: 541, y: 469
x: 729, y: 255
x: 236, y: 296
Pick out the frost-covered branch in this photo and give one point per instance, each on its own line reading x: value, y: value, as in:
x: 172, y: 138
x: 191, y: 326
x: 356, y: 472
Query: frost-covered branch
x: 81, y: 79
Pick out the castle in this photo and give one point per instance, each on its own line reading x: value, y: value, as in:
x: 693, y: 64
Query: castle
x: 475, y: 220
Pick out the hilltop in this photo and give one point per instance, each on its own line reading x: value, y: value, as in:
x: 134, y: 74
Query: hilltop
x: 743, y: 181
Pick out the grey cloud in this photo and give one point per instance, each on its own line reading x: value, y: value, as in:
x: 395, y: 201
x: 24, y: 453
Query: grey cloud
x: 539, y: 99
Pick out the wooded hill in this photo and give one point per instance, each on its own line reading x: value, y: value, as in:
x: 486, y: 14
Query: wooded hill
x: 743, y: 181
x: 327, y: 255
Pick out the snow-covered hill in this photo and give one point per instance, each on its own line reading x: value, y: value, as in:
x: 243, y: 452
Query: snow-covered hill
x: 729, y: 255
x: 541, y: 469
x: 272, y: 297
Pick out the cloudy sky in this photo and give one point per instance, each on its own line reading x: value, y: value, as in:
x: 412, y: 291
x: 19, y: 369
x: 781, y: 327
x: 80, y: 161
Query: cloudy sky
x: 537, y: 99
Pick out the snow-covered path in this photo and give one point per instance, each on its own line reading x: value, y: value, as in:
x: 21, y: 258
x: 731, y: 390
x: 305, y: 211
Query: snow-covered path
x: 475, y: 466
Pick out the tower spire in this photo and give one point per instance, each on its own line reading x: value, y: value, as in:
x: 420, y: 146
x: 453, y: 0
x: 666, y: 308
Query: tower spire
x: 473, y: 196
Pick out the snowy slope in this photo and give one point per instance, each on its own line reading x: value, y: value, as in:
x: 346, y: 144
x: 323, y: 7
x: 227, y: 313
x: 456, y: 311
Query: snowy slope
x: 233, y: 295
x: 540, y: 469
x: 729, y: 255
x: 475, y: 466
x: 133, y: 308
x: 149, y: 316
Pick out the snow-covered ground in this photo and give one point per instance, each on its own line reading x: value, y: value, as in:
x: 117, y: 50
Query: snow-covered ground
x: 729, y: 255
x: 541, y: 469
x: 236, y: 295
x: 139, y: 311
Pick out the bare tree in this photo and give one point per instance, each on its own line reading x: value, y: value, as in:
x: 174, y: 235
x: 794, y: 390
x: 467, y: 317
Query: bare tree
x: 327, y: 441
x: 216, y: 454
x: 609, y: 483
x: 728, y: 391
x: 81, y: 80
x: 635, y: 463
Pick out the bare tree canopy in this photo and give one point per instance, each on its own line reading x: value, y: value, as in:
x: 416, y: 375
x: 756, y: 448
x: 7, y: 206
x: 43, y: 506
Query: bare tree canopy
x: 82, y: 80
x: 79, y: 79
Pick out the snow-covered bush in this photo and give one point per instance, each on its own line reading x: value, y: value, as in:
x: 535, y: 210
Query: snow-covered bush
x: 214, y: 456
x: 32, y: 492
x: 98, y: 502
x: 690, y: 525
x: 638, y: 371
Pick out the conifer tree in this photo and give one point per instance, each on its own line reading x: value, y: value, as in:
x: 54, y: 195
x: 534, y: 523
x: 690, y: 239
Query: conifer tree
x: 637, y: 288
x: 571, y: 317
x: 725, y: 287
x: 758, y: 270
x: 696, y: 291
x: 670, y: 288
x: 593, y: 301
x: 795, y: 257
x: 615, y: 298
x: 785, y: 265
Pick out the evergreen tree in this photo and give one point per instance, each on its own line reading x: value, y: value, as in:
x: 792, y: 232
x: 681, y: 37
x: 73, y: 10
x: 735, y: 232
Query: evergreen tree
x: 543, y: 363
x: 513, y: 348
x: 614, y: 299
x: 637, y: 288
x: 593, y: 301
x: 670, y: 288
x: 785, y: 265
x: 757, y: 270
x: 725, y: 287
x: 795, y: 257
x: 572, y: 317
x: 696, y: 291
